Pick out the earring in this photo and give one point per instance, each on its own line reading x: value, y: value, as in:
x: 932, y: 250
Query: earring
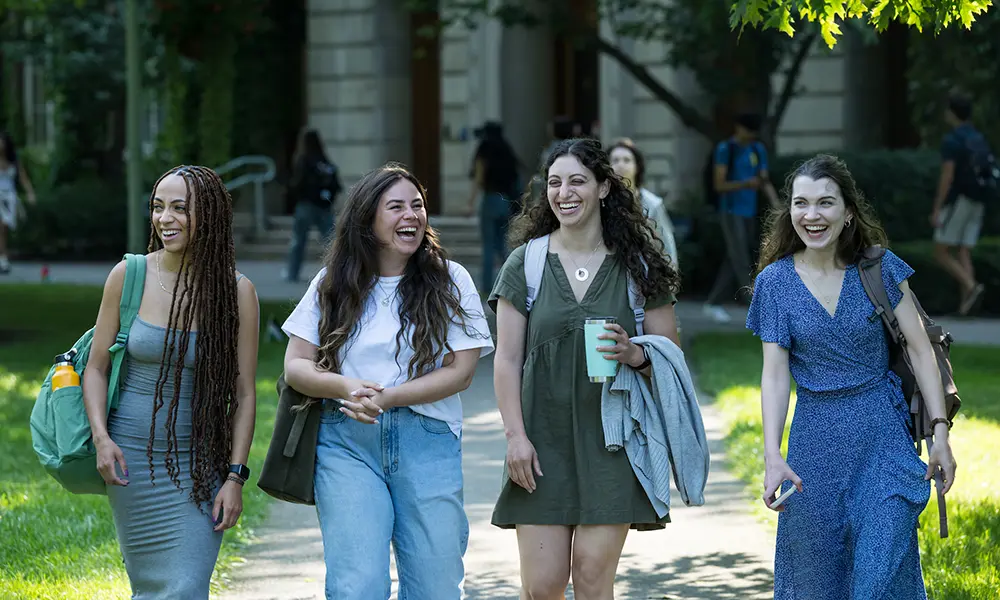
x: 847, y: 222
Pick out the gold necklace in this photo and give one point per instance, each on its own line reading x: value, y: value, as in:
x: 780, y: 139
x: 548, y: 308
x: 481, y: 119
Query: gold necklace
x: 826, y: 300
x: 158, y: 278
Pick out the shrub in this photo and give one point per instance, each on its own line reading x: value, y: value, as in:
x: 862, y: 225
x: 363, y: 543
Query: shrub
x: 82, y: 220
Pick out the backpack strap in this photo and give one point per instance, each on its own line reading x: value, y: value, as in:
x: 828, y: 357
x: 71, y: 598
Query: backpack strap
x: 535, y: 254
x: 128, y: 309
x: 636, y: 300
x: 870, y: 270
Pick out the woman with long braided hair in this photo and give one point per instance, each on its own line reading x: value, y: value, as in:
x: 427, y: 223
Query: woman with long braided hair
x: 390, y: 331
x: 192, y: 418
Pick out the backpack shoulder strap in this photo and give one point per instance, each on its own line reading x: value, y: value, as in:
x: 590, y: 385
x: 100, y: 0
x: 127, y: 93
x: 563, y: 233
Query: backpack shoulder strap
x: 870, y: 272
x: 637, y: 301
x: 128, y: 309
x: 535, y: 254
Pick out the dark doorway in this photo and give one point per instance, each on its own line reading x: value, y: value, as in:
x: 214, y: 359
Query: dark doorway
x: 425, y: 104
x: 898, y: 130
x: 577, y: 89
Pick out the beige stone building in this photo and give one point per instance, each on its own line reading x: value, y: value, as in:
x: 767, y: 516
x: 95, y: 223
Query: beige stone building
x: 377, y: 91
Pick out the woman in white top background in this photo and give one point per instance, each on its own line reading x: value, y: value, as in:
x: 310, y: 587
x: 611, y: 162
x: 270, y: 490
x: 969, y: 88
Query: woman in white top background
x: 389, y: 332
x: 11, y: 173
x: 629, y: 163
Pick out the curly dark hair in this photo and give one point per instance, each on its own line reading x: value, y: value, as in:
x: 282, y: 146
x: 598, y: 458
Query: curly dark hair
x: 430, y: 300
x: 780, y: 239
x: 208, y: 272
x: 624, y: 225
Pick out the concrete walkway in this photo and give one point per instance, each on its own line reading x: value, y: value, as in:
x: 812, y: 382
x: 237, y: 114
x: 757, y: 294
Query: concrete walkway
x: 718, y: 551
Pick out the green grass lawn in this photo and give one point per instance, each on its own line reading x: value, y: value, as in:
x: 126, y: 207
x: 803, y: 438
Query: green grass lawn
x: 966, y: 565
x: 55, y: 544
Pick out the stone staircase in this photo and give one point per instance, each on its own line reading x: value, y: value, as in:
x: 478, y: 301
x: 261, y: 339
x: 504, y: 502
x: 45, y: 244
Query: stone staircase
x: 459, y: 235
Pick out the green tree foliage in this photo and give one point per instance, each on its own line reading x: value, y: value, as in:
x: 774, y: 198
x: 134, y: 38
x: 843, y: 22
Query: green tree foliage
x: 965, y: 59
x: 785, y: 15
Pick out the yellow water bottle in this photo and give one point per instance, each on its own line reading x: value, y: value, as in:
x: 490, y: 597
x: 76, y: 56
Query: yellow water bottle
x: 65, y: 375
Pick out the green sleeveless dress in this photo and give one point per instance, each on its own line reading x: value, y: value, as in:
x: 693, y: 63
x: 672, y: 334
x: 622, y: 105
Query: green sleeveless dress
x: 583, y: 483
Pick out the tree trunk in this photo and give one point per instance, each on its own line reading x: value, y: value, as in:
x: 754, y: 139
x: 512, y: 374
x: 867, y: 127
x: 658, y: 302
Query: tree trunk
x: 688, y: 115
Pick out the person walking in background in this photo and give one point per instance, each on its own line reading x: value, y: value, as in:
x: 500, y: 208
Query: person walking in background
x: 740, y: 172
x: 11, y: 173
x: 629, y: 163
x: 957, y: 216
x: 315, y: 184
x: 495, y: 191
x: 188, y: 400
x: 850, y: 531
x: 389, y: 332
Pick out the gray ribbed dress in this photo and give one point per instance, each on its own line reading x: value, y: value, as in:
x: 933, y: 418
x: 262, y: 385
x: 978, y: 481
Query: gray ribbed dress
x: 169, y: 546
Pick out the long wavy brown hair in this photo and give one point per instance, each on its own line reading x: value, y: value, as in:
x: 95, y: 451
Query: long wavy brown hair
x: 430, y: 300
x: 624, y: 225
x: 781, y: 240
x: 208, y: 294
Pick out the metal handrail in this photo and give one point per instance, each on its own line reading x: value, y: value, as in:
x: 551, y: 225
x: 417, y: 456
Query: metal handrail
x: 258, y: 179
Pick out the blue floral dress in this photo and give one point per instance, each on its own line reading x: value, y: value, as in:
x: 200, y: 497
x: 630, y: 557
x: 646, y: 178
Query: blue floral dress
x: 852, y: 532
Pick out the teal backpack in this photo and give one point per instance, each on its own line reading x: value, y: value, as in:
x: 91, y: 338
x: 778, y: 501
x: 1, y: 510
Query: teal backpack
x: 60, y: 430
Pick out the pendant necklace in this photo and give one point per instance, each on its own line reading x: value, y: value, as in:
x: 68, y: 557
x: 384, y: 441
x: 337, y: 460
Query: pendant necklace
x: 581, y: 273
x: 387, y: 299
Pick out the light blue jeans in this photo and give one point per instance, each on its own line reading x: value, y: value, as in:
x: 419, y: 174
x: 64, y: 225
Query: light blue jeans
x: 398, y: 481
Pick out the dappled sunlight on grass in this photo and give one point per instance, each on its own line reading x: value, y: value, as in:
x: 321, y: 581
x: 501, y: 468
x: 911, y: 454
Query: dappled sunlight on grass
x: 966, y: 565
x: 60, y: 545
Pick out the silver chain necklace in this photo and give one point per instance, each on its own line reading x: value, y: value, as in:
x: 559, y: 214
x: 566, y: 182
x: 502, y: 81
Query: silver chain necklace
x: 387, y: 297
x: 581, y: 273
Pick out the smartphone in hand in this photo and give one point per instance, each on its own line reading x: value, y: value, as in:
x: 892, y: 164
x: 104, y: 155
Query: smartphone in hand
x: 781, y: 499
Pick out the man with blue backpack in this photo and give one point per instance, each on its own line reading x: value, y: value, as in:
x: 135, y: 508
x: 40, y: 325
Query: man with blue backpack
x: 969, y: 180
x: 734, y: 176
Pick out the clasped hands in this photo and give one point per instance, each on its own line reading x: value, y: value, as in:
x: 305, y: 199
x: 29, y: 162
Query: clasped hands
x: 365, y: 401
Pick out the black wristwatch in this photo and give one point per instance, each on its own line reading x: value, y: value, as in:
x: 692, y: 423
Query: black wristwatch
x: 242, y: 471
x: 646, y: 362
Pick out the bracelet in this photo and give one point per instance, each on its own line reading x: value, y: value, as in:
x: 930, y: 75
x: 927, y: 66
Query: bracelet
x: 236, y: 479
x: 934, y: 422
x: 646, y: 362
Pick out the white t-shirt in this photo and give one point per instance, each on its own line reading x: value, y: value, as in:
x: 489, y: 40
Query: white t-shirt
x: 371, y: 355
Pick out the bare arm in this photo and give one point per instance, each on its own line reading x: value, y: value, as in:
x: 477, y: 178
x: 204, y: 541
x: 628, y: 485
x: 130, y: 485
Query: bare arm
x: 507, y: 366
x: 95, y: 376
x: 722, y: 185
x: 454, y: 376
x: 775, y: 393
x: 478, y: 173
x: 308, y: 379
x: 26, y: 182
x: 95, y: 379
x: 246, y: 387
x: 944, y: 183
x: 925, y: 367
x: 659, y: 321
x: 772, y: 194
